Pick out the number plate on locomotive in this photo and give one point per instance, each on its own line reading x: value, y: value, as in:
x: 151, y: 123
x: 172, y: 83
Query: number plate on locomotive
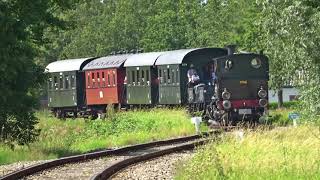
x: 245, y: 111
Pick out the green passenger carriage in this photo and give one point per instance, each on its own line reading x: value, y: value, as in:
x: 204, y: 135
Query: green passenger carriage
x: 142, y: 85
x: 66, y: 86
x: 172, y: 71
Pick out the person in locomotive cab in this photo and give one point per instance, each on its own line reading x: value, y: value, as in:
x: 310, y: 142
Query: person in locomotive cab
x: 213, y: 76
x: 193, y: 77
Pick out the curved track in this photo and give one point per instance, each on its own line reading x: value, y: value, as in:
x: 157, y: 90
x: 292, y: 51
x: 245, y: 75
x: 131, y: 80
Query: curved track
x: 81, y: 161
x: 118, y: 166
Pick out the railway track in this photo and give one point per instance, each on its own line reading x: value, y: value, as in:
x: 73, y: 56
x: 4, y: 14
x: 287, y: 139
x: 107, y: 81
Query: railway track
x: 103, y: 164
x: 116, y: 167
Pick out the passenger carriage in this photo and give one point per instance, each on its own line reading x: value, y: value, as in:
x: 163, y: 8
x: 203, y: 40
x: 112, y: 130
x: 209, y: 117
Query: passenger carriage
x: 172, y: 71
x: 104, y: 82
x: 142, y: 79
x: 66, y: 94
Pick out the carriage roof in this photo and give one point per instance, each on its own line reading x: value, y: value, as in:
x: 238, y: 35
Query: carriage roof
x: 178, y: 56
x: 143, y: 59
x: 114, y: 61
x: 67, y: 65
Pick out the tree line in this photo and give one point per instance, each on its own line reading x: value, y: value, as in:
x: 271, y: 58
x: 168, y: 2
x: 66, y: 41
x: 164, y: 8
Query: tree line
x: 286, y: 31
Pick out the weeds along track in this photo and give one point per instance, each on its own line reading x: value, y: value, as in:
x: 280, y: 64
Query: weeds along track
x: 87, y: 165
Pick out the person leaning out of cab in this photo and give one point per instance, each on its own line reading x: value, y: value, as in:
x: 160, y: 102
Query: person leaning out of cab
x: 193, y: 77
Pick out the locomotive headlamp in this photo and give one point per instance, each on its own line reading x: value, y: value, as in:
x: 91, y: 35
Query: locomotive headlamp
x: 262, y: 93
x: 263, y: 102
x: 256, y: 63
x: 226, y: 104
x: 226, y: 94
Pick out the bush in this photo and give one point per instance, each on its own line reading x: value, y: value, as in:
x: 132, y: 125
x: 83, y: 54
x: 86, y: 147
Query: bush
x: 279, y: 117
x: 288, y: 105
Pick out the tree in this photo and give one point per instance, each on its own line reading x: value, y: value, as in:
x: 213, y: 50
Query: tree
x: 221, y: 22
x: 170, y: 25
x: 22, y: 24
x: 290, y: 36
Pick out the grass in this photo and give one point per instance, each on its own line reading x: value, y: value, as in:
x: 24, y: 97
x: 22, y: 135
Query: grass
x: 280, y: 117
x: 282, y: 153
x: 61, y: 138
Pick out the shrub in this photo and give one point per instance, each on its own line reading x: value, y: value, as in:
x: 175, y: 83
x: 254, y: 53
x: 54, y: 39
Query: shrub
x: 288, y: 105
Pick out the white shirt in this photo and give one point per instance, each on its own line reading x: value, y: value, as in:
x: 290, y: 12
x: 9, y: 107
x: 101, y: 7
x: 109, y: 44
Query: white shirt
x: 192, y: 75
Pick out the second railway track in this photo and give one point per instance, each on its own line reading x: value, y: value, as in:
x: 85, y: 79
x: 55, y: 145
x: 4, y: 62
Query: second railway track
x: 90, y: 165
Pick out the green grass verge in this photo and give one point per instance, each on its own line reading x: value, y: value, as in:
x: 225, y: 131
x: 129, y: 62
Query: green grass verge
x: 283, y: 153
x: 61, y: 138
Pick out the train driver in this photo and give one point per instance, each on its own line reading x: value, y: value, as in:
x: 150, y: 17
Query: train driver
x: 193, y: 77
x: 213, y: 74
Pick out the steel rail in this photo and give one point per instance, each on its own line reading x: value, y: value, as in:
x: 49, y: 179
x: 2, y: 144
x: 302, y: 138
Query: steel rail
x: 118, y: 166
x: 94, y: 155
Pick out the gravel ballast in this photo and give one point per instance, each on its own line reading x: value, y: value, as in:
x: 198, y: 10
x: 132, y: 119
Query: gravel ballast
x: 160, y: 168
x: 6, y: 169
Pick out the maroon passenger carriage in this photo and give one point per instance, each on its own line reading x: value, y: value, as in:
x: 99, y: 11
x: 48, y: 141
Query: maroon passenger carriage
x: 104, y: 83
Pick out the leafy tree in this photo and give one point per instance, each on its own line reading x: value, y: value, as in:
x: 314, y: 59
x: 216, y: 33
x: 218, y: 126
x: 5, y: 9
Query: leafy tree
x: 221, y: 22
x: 103, y: 27
x: 170, y: 25
x: 289, y: 36
x: 22, y: 24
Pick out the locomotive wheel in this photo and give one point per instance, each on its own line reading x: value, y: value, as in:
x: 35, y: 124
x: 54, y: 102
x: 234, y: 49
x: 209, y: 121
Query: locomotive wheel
x: 75, y: 115
x: 94, y: 115
x: 226, y: 119
x: 60, y: 114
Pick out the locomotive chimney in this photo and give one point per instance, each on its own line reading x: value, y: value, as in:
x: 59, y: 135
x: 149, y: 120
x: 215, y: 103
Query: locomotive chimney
x: 231, y: 49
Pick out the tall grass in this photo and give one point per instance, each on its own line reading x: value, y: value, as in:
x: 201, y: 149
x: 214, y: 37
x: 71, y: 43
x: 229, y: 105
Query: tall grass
x: 286, y: 153
x: 61, y: 138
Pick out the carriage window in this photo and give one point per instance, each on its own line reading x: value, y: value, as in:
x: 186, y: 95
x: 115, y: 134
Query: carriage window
x: 98, y: 79
x: 138, y: 76
x: 93, y: 80
x: 172, y: 76
x: 61, y: 82
x: 108, y: 79
x: 164, y: 76
x: 55, y: 82
x: 160, y: 76
x: 168, y: 76
x: 177, y: 76
x: 66, y: 82
x: 88, y: 79
x: 142, y: 77
x: 133, y: 76
x: 103, y: 80
x: 114, y: 79
x: 147, y: 75
x: 50, y: 83
x: 73, y: 82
